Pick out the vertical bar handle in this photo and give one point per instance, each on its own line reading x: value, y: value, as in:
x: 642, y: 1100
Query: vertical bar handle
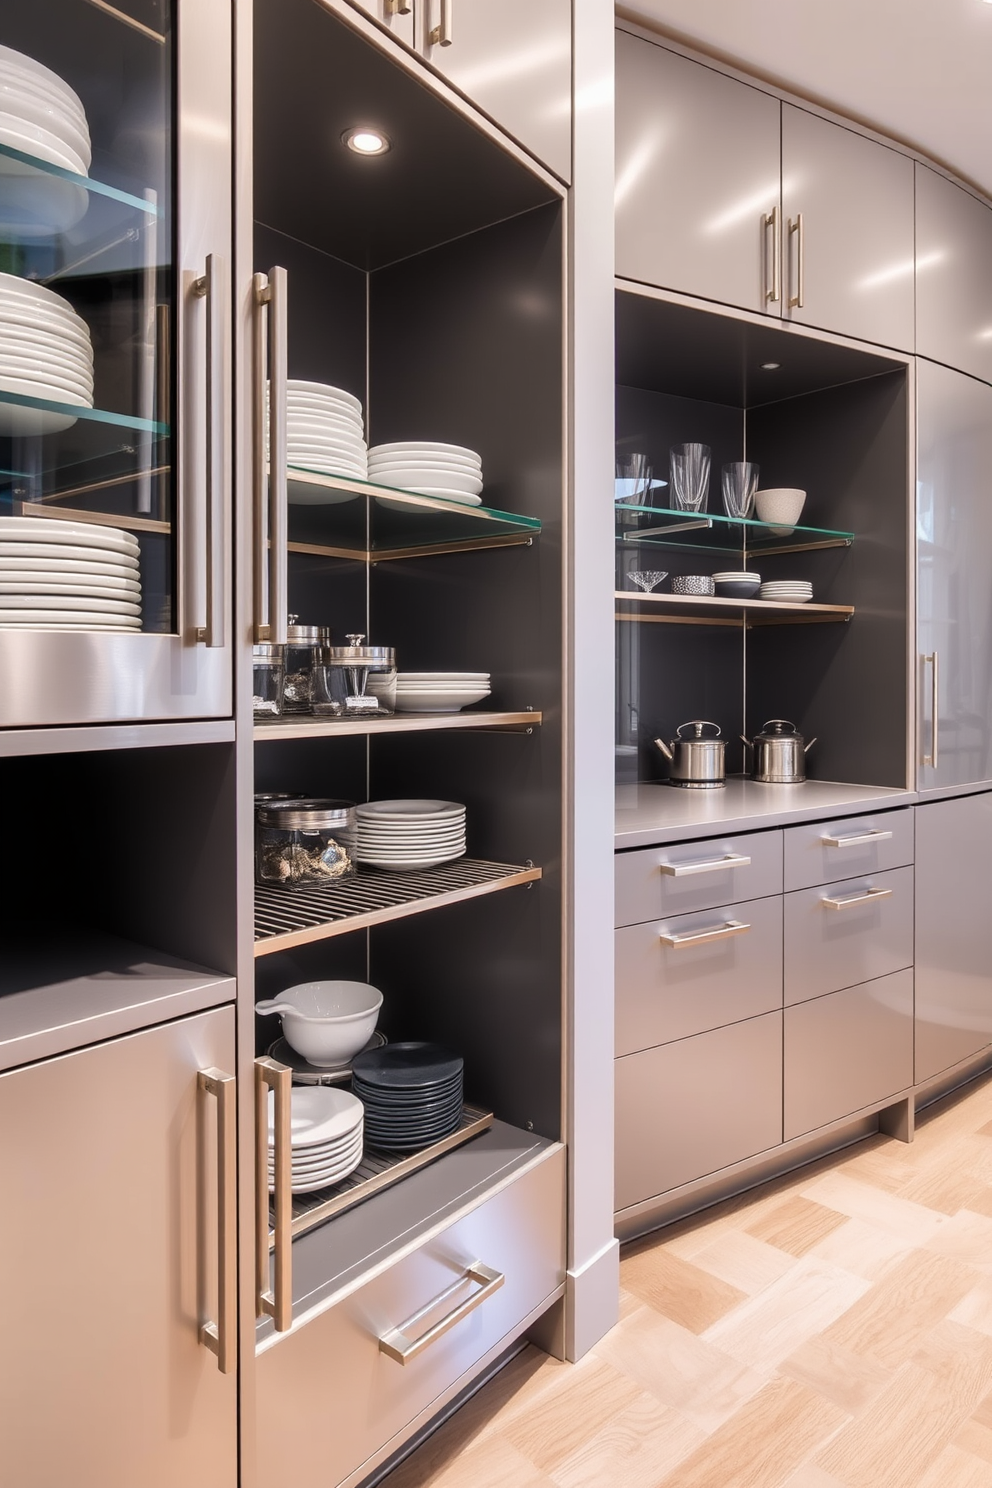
x: 270, y: 456
x: 398, y: 7
x: 797, y: 229
x: 214, y: 287
x: 440, y: 35
x: 221, y: 1337
x: 275, y: 1301
x: 934, y: 662
x: 770, y: 221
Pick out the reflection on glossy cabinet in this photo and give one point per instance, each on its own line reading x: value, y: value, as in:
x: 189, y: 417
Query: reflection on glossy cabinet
x: 954, y: 599
x: 953, y: 282
x: 847, y: 205
x: 514, y: 60
x: 398, y: 16
x: 697, y: 173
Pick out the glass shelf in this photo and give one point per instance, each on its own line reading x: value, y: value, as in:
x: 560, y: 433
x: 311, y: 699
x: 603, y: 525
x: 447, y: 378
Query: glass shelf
x: 711, y: 532
x: 333, y: 516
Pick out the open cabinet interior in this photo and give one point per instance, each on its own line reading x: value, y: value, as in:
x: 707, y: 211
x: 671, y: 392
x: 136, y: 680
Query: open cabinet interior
x: 822, y: 417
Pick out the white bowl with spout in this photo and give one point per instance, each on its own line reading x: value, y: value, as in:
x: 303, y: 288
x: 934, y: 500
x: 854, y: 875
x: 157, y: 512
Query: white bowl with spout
x: 327, y: 1022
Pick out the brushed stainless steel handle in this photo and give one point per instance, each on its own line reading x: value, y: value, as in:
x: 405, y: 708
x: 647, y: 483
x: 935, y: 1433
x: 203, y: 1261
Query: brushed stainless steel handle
x: 214, y: 286
x: 858, y: 840
x: 703, y: 937
x: 440, y: 35
x: 221, y: 1337
x: 397, y: 1343
x: 275, y: 1301
x: 270, y: 493
x: 398, y: 7
x: 770, y: 221
x: 934, y: 662
x: 710, y: 865
x: 851, y: 900
x: 797, y: 228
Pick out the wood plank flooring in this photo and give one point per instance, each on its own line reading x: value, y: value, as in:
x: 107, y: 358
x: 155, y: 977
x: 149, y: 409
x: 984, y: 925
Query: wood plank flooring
x: 830, y: 1330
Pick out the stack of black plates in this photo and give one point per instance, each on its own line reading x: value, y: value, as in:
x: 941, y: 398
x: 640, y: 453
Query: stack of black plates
x: 412, y: 1094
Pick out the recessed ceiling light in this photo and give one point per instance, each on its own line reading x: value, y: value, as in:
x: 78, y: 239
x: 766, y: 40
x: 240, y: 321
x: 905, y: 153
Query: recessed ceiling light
x: 366, y: 141
x: 774, y: 366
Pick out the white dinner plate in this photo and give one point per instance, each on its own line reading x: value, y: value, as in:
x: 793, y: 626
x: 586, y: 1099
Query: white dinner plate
x: 17, y: 357
x: 61, y: 530
x: 326, y: 467
x: 40, y: 143
x: 427, y: 448
x: 319, y: 1159
x: 82, y: 570
x: 328, y: 445
x: 76, y: 619
x: 443, y: 676
x: 21, y: 64
x: 18, y: 87
x: 51, y: 392
x: 323, y: 392
x: 308, y: 417
x: 398, y: 462
x: 15, y: 287
x: 72, y: 602
x: 410, y: 808
x: 45, y: 330
x: 49, y: 312
x: 35, y: 113
x: 326, y: 1167
x: 58, y: 381
x: 455, y: 482
x: 57, y: 587
x: 404, y: 839
x: 319, y: 1113
x: 404, y: 865
x: 312, y: 1184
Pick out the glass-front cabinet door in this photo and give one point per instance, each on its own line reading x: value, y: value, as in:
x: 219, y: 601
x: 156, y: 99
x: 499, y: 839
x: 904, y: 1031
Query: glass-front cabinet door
x: 115, y: 231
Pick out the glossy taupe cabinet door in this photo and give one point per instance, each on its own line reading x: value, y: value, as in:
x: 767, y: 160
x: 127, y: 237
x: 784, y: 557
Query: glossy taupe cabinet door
x: 953, y: 932
x: 953, y: 282
x: 847, y: 205
x: 697, y: 172
x: 514, y: 60
x: 109, y: 1246
x: 954, y: 597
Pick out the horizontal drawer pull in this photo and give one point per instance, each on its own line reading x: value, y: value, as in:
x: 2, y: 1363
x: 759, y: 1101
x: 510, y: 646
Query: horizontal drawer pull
x: 397, y: 1343
x: 867, y: 898
x: 860, y: 839
x: 711, y: 865
x: 703, y: 937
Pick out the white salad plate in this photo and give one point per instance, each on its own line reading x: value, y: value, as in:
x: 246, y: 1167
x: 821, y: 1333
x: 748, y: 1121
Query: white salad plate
x: 18, y: 88
x: 68, y: 619
x: 352, y: 448
x: 427, y: 449
x: 411, y: 809
x: 412, y: 837
x: 20, y: 63
x: 319, y: 1159
x: 113, y: 606
x: 71, y: 570
x: 53, y: 587
x: 18, y: 336
x: 439, y: 480
x: 31, y: 131
x: 23, y: 104
x: 322, y: 390
x: 64, y: 379
x: 450, y: 467
x: 58, y: 530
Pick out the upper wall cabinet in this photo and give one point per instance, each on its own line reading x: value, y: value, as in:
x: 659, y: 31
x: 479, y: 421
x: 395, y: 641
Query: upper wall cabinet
x: 847, y: 207
x: 953, y: 278
x: 697, y: 178
x: 396, y: 15
x: 514, y: 60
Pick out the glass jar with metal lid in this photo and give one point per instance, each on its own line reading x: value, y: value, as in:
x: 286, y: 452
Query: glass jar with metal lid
x: 306, y: 648
x: 305, y: 842
x: 356, y: 680
x: 268, y: 678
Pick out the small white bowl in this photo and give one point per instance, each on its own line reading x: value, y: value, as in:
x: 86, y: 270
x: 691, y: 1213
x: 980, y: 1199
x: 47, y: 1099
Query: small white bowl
x: 782, y: 505
x: 330, y: 1021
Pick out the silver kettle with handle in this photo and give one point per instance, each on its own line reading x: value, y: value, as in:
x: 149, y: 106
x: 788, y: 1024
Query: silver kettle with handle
x: 778, y: 753
x: 698, y: 762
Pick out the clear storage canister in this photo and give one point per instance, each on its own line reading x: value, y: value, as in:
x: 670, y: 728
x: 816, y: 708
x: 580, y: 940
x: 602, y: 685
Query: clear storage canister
x: 356, y: 680
x: 305, y: 842
x: 306, y: 648
x: 268, y: 671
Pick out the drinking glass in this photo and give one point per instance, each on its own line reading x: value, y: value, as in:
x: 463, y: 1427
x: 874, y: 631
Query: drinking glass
x: 690, y: 471
x: 740, y: 481
x: 647, y: 578
x: 633, y: 480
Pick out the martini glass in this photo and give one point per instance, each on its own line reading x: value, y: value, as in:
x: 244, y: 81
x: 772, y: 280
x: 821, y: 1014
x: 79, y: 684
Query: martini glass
x: 646, y: 578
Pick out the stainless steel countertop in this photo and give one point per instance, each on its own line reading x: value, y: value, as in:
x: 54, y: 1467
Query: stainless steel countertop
x: 648, y: 814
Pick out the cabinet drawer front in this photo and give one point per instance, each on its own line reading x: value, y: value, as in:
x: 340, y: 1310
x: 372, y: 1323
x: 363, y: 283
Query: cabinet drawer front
x: 666, y: 992
x: 824, y: 852
x: 687, y: 876
x: 691, y: 1108
x: 837, y: 935
x: 328, y: 1397
x: 846, y: 1051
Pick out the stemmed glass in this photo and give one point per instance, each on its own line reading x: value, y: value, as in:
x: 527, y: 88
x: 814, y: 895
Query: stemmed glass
x: 646, y: 578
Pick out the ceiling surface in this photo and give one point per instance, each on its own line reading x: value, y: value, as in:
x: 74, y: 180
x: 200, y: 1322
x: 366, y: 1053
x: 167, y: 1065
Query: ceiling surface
x: 917, y: 69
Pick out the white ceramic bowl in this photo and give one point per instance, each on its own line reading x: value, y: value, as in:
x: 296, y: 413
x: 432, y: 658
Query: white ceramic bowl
x: 784, y: 504
x: 332, y: 1021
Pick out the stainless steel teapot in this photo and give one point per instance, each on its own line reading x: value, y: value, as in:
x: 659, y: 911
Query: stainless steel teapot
x: 778, y: 753
x: 697, y: 762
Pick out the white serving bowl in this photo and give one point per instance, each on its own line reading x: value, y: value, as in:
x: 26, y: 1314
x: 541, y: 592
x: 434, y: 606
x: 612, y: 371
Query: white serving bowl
x: 330, y: 1021
x: 782, y: 505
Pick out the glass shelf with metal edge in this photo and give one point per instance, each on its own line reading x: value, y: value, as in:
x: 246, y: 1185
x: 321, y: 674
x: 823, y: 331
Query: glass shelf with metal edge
x: 713, y: 532
x: 55, y: 223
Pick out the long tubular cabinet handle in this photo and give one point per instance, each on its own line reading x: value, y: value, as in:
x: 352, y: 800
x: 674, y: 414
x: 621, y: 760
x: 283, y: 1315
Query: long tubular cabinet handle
x: 703, y: 937
x: 710, y: 865
x: 933, y: 660
x: 798, y: 300
x: 398, y: 7
x: 397, y: 1343
x: 770, y: 221
x: 851, y: 900
x: 221, y: 1337
x: 275, y: 1302
x: 270, y: 489
x: 214, y: 286
x: 860, y: 839
x: 441, y: 33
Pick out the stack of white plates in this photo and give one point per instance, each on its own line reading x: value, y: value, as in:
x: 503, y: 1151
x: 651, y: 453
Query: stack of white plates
x: 59, y: 575
x: 406, y: 835
x: 41, y: 116
x: 787, y: 591
x: 440, y: 692
x: 327, y: 1132
x: 45, y: 352
x: 324, y: 430
x: 446, y: 470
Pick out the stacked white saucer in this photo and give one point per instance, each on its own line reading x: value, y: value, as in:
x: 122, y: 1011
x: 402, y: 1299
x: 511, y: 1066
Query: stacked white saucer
x: 324, y: 431
x: 787, y: 591
x: 446, y: 470
x: 407, y: 835
x: 440, y: 692
x: 40, y: 116
x: 45, y: 352
x: 327, y: 1135
x: 57, y: 575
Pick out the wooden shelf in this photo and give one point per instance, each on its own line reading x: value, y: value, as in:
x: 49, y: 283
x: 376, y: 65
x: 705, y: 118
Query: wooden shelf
x: 303, y: 727
x: 705, y: 610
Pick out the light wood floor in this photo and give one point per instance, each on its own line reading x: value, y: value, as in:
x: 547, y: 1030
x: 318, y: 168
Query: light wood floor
x: 831, y: 1330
